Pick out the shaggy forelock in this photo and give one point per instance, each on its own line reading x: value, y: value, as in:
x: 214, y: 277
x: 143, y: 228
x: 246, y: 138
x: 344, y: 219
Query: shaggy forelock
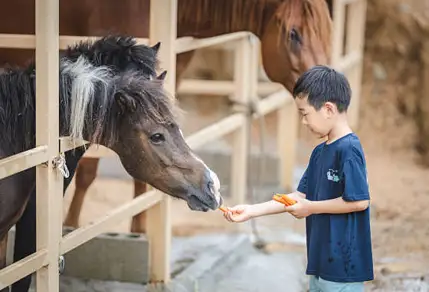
x: 147, y: 96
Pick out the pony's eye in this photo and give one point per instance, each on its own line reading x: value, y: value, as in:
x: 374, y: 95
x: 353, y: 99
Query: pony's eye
x: 157, y: 138
x: 294, y: 36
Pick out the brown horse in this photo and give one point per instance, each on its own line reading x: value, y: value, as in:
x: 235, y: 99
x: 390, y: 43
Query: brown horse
x: 294, y: 35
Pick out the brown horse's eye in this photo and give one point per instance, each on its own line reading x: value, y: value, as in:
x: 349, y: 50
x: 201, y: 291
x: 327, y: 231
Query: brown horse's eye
x: 157, y: 138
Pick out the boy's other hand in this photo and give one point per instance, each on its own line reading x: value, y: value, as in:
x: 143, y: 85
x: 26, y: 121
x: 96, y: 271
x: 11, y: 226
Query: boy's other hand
x: 301, y: 209
x: 239, y: 213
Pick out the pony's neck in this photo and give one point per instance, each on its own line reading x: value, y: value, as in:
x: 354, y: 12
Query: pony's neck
x: 17, y: 111
x: 208, y: 18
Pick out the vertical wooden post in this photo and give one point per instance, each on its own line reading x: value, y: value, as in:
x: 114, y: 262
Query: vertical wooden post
x: 356, y: 17
x: 163, y: 15
x: 254, y: 55
x: 241, y: 135
x: 287, y: 132
x: 49, y: 181
x: 338, y: 33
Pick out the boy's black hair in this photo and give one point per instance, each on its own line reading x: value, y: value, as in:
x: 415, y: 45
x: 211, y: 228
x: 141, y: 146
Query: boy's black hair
x: 323, y: 84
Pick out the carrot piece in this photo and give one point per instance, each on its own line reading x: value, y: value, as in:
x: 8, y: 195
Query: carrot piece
x: 223, y: 209
x: 278, y: 199
x: 284, y: 199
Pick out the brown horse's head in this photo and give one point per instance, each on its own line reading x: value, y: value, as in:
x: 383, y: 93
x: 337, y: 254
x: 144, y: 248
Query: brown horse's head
x: 297, y: 37
x: 116, y: 100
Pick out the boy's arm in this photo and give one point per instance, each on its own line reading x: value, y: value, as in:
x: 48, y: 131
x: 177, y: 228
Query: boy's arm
x: 304, y: 208
x: 271, y: 207
x: 242, y: 213
x: 337, y: 206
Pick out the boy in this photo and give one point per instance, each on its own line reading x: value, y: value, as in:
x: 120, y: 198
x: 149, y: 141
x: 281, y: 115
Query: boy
x: 333, y: 193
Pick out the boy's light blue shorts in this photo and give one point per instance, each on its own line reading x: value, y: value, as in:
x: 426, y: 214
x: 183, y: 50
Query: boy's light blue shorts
x: 321, y: 285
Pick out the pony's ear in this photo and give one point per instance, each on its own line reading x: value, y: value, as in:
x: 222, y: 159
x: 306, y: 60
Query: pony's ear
x: 162, y: 76
x: 125, y: 102
x: 156, y: 47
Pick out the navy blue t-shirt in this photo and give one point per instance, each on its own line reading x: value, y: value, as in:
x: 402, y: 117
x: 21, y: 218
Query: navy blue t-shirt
x: 338, y: 245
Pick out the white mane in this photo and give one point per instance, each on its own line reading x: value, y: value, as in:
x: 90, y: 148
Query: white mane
x: 85, y: 78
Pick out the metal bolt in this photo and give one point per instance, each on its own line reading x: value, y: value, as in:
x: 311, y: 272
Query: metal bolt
x: 61, y: 264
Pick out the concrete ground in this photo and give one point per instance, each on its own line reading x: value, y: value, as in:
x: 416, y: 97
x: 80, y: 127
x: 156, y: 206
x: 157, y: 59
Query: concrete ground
x: 213, y: 263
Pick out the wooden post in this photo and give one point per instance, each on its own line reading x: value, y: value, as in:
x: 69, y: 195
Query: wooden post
x: 287, y: 132
x: 163, y: 15
x: 356, y: 17
x: 253, y: 87
x: 338, y: 33
x: 240, y: 139
x: 49, y: 181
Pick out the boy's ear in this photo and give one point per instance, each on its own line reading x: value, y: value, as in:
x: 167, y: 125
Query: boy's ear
x: 331, y: 108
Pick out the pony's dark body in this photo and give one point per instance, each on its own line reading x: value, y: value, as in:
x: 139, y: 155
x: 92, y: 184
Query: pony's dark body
x: 25, y: 229
x: 17, y: 115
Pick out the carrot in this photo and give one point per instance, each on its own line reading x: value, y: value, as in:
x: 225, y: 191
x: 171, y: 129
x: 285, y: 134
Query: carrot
x: 278, y: 199
x: 284, y: 199
x: 223, y: 209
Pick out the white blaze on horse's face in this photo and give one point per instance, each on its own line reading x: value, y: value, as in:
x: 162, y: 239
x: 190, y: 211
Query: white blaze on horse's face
x: 215, y: 188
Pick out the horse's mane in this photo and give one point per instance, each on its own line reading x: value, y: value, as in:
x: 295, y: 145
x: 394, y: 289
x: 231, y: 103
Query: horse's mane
x: 233, y: 15
x: 99, y: 88
x: 226, y: 15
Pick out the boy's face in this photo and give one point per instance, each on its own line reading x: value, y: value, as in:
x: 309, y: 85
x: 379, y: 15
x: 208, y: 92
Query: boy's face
x: 319, y: 122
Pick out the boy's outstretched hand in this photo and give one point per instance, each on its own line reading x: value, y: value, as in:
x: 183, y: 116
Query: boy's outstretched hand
x: 239, y: 213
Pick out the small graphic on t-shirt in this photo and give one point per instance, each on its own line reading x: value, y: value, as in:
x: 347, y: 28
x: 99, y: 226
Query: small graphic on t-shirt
x: 332, y: 175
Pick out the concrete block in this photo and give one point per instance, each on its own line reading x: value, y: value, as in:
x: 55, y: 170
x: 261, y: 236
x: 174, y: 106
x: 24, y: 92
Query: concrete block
x: 119, y: 257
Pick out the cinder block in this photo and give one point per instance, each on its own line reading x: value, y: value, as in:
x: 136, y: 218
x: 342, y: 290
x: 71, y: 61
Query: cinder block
x: 119, y: 257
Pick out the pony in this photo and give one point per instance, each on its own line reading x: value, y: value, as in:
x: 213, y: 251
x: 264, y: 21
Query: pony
x: 109, y: 95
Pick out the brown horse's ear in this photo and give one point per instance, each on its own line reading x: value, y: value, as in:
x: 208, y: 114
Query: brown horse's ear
x: 156, y: 47
x: 125, y: 102
x: 162, y: 75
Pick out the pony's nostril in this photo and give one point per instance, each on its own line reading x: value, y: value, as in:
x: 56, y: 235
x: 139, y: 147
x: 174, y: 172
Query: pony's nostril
x: 210, y: 186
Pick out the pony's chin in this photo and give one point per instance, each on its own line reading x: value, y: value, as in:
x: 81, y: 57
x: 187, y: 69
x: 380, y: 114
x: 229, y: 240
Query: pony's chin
x: 198, y: 208
x: 195, y: 204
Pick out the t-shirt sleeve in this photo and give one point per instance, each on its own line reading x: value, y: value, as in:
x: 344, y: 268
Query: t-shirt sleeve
x: 302, y: 186
x: 355, y: 179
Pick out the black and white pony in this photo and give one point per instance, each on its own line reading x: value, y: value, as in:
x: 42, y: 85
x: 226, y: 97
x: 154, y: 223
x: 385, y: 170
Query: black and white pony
x: 109, y: 95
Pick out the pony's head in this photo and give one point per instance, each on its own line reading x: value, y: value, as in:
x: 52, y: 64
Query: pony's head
x: 116, y: 100
x: 296, y: 38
